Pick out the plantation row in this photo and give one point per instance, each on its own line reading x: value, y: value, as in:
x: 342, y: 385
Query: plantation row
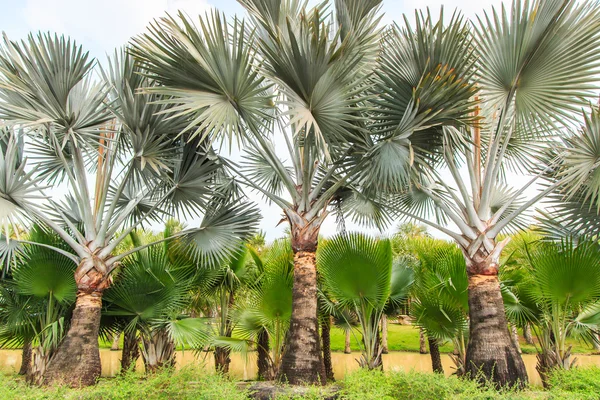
x: 336, y: 114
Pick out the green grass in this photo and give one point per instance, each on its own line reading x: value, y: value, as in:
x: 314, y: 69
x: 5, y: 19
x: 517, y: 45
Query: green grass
x: 194, y: 383
x: 406, y: 338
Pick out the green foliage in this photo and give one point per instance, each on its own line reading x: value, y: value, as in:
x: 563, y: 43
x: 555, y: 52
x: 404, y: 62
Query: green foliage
x: 583, y: 383
x: 186, y: 383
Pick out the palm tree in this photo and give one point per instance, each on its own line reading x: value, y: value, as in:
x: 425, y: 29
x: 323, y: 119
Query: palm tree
x: 558, y: 287
x: 143, y: 166
x: 303, y: 74
x: 440, y: 297
x: 36, y: 302
x: 357, y: 272
x: 151, y: 293
x: 261, y: 317
x: 534, y: 67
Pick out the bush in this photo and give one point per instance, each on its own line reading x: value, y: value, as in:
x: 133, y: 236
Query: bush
x: 417, y: 386
x: 581, y: 383
x: 187, y: 383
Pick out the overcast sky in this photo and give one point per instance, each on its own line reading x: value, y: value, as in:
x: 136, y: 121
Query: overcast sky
x: 103, y: 25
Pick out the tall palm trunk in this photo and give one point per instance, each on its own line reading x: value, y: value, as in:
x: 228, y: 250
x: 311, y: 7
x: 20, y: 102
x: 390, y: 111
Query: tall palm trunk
x: 326, y: 338
x: 436, y: 358
x: 76, y: 362
x: 222, y: 354
x: 25, y: 357
x: 527, y: 334
x: 302, y: 361
x: 131, y: 351
x: 491, y: 353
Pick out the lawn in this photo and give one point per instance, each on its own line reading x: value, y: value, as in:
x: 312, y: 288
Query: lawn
x: 406, y: 338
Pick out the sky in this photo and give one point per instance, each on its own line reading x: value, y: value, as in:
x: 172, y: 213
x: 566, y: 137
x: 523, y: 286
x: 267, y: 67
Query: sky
x: 101, y: 26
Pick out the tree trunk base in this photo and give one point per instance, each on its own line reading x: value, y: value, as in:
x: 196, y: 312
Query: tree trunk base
x: 491, y: 353
x: 302, y: 361
x: 436, y: 359
x: 76, y: 362
x: 25, y: 358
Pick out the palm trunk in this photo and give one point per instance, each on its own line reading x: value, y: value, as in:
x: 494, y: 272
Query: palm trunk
x: 347, y: 348
x: 527, y: 334
x: 25, y: 357
x: 384, y: 334
x: 222, y: 360
x: 326, y: 338
x: 131, y: 351
x: 491, y: 353
x: 158, y: 351
x: 422, y: 342
x: 436, y: 358
x: 76, y: 362
x: 115, y: 342
x: 39, y: 365
x: 597, y: 343
x: 302, y: 361
x: 265, y: 369
x: 515, y: 337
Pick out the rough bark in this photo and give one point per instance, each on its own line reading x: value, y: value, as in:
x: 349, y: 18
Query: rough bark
x: 491, y: 353
x: 347, y: 349
x: 222, y: 359
x: 76, y: 362
x: 131, y: 351
x: 515, y: 337
x: 422, y: 342
x: 384, y: 334
x: 25, y: 357
x: 38, y: 366
x: 115, y: 342
x: 527, y: 334
x: 265, y: 369
x: 436, y: 358
x: 597, y: 343
x: 326, y: 339
x: 158, y: 350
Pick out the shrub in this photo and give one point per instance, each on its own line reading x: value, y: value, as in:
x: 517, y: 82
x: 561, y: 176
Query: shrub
x: 581, y: 383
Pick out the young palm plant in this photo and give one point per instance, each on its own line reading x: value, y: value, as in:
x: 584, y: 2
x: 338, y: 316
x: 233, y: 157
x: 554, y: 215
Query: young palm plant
x: 135, y: 148
x: 36, y: 302
x: 533, y: 67
x: 559, y: 286
x: 357, y: 272
x: 152, y: 292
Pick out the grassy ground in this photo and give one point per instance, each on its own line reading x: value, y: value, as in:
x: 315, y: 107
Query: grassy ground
x: 194, y: 383
x: 406, y: 338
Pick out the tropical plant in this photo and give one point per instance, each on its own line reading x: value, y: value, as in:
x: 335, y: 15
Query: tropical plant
x: 150, y: 296
x: 223, y: 284
x: 37, y: 299
x: 558, y: 287
x: 262, y: 317
x: 357, y: 273
x: 534, y: 68
x: 144, y: 164
x: 304, y: 74
x: 440, y: 297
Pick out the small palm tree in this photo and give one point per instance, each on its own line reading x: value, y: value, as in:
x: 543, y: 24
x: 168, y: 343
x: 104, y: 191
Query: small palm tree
x: 36, y: 302
x: 144, y: 165
x: 357, y: 273
x: 559, y: 289
x: 261, y: 318
x: 150, y: 297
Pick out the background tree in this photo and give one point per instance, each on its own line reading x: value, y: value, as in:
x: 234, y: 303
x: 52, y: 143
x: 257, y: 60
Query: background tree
x: 143, y: 168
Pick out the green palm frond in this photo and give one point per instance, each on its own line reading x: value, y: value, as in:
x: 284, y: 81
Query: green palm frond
x: 356, y: 269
